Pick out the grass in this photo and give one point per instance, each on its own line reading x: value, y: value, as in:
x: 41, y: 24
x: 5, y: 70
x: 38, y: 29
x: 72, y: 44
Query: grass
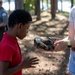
x: 63, y: 13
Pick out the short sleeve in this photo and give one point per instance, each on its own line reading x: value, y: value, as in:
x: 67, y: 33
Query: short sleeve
x: 5, y: 17
x: 6, y: 53
x: 72, y: 15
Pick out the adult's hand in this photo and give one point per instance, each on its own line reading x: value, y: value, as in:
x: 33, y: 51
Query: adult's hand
x: 60, y: 45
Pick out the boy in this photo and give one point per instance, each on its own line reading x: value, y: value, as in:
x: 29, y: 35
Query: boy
x: 10, y: 54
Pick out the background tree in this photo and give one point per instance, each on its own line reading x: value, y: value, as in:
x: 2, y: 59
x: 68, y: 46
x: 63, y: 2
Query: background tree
x: 53, y: 8
x: 9, y: 7
x: 42, y: 4
x: 29, y: 5
x: 61, y: 5
x: 72, y: 3
x: 37, y: 9
x: 19, y: 4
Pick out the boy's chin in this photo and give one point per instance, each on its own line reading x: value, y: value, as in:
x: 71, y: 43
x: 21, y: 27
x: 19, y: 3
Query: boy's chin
x: 21, y: 38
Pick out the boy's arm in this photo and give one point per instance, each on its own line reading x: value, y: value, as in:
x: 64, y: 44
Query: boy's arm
x: 27, y: 63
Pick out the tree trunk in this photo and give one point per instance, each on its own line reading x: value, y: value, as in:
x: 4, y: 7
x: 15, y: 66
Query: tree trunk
x: 9, y: 8
x: 53, y: 8
x: 47, y: 4
x: 37, y: 9
x: 42, y: 5
x: 61, y: 5
x: 72, y: 3
x: 19, y: 4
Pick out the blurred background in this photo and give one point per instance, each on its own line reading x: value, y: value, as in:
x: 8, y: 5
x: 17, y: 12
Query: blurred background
x: 49, y: 19
x: 39, y: 5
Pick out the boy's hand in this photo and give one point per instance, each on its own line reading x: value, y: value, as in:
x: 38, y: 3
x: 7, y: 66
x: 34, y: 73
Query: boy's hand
x: 29, y: 62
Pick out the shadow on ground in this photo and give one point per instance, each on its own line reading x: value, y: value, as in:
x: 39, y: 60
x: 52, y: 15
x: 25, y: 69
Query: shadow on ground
x: 51, y: 63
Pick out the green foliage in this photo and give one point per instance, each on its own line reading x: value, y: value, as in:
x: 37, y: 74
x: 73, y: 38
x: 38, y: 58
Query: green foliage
x: 70, y: 1
x: 64, y: 13
x: 74, y: 1
x: 29, y: 4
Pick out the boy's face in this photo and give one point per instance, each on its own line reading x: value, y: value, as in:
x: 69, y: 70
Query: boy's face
x: 23, y: 30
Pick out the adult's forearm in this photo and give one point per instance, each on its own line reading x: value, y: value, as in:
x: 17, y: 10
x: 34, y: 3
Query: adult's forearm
x: 73, y: 43
x: 71, y: 39
x: 3, y: 24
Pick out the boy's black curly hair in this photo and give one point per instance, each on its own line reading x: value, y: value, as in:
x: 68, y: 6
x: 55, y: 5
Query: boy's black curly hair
x: 19, y: 16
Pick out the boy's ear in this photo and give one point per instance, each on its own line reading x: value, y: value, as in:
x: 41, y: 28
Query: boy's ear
x: 19, y: 26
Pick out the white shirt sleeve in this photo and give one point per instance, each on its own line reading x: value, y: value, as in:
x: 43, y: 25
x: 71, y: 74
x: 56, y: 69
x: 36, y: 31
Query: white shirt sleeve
x: 72, y: 15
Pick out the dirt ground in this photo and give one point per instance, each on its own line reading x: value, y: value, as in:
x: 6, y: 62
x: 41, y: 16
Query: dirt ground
x: 51, y: 63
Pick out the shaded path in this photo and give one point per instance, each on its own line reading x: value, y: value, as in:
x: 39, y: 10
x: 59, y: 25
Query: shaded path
x: 54, y: 63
